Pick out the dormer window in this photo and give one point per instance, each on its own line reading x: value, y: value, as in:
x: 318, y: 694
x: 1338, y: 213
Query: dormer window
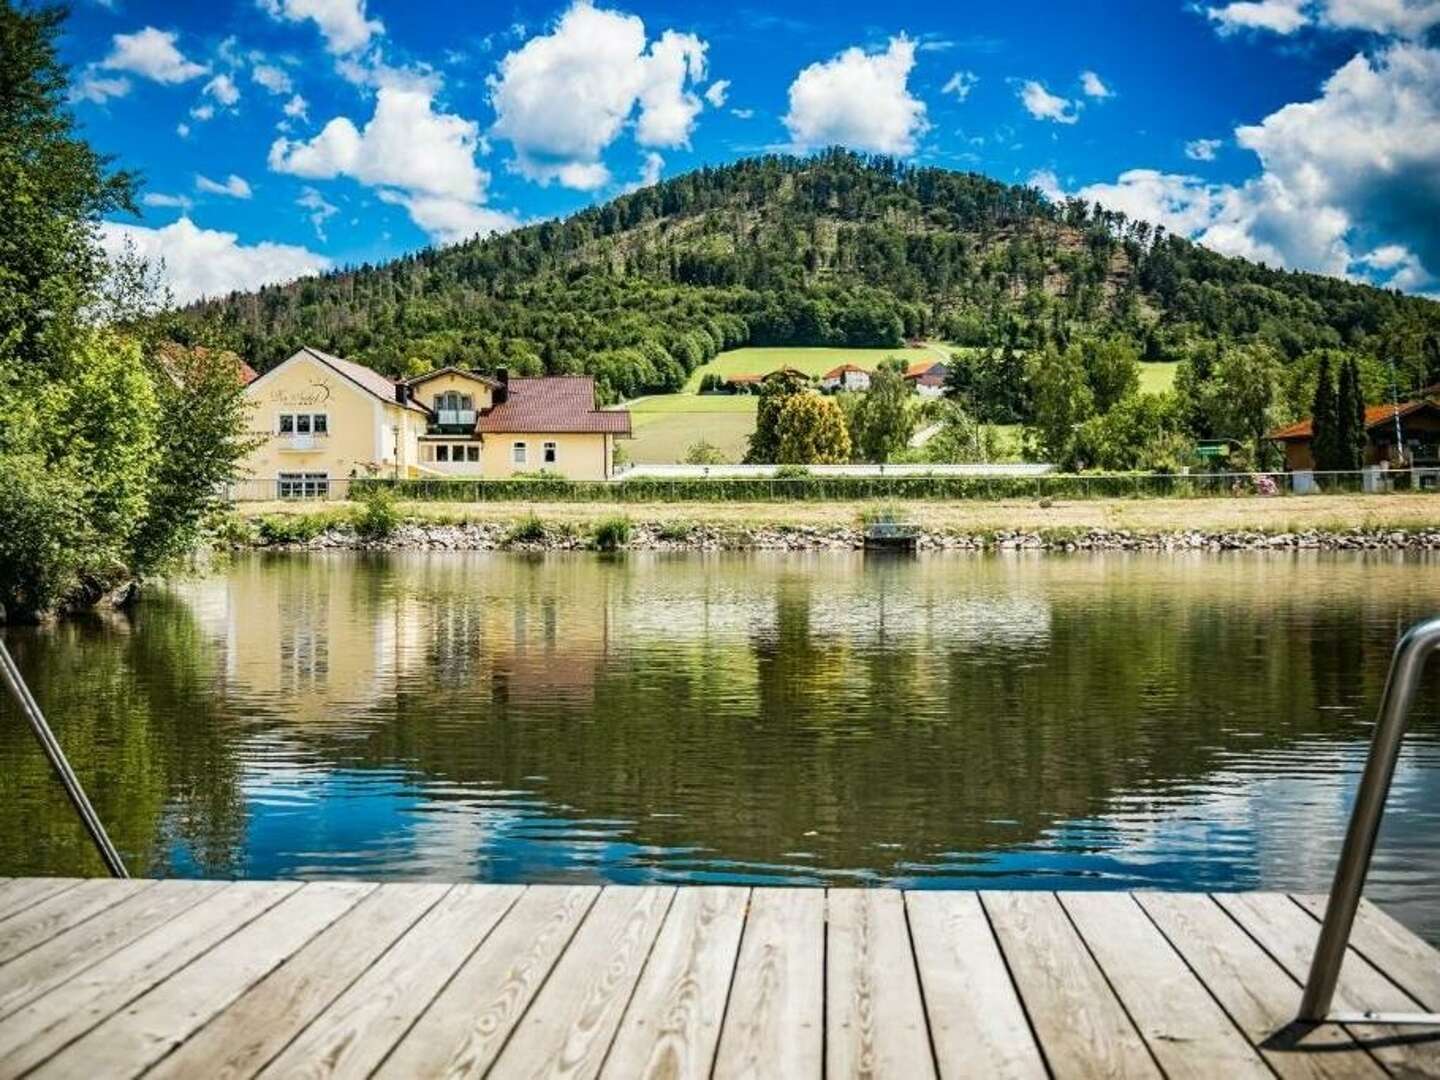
x: 453, y: 401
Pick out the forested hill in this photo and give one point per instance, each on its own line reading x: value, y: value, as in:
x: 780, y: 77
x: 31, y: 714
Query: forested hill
x: 836, y: 249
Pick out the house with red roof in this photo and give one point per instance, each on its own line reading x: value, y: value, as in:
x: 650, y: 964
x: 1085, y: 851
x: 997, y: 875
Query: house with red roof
x: 845, y: 377
x: 1407, y: 433
x: 319, y: 418
x: 927, y: 377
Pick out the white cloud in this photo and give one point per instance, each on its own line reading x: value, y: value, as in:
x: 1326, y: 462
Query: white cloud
x: 650, y: 170
x: 1277, y: 16
x: 718, y: 92
x: 183, y: 130
x: 223, y: 89
x: 158, y: 199
x: 297, y: 108
x: 234, y: 186
x: 203, y: 112
x: 152, y: 53
x: 860, y: 100
x: 206, y: 262
x: 1043, y: 105
x: 1396, y: 18
x: 320, y: 210
x: 564, y: 96
x: 92, y: 86
x: 742, y: 114
x: 343, y: 23
x: 272, y: 78
x: 960, y: 84
x: 1203, y: 149
x: 418, y: 158
x: 1349, y: 182
x: 1094, y: 86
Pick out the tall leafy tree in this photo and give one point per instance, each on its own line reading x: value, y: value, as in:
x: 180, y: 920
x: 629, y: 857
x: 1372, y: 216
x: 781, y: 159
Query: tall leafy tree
x: 1350, y: 437
x: 810, y: 430
x: 883, y: 420
x: 775, y: 391
x: 1063, y: 401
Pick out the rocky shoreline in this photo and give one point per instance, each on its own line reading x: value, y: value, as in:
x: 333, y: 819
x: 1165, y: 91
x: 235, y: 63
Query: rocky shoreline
x: 643, y: 536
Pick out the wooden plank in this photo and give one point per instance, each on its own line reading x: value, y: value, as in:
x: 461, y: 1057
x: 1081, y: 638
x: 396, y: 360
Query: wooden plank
x: 53, y: 1020
x: 40, y: 922
x: 673, y: 1022
x: 775, y: 1022
x: 1401, y: 956
x: 150, y: 1027
x: 977, y: 1023
x: 1082, y: 1028
x: 875, y: 1019
x: 1289, y: 934
x: 1187, y: 1032
x: 42, y: 969
x: 353, y: 1035
x: 16, y: 894
x: 568, y: 1027
x: 1256, y: 992
x: 240, y: 1041
x: 464, y: 1028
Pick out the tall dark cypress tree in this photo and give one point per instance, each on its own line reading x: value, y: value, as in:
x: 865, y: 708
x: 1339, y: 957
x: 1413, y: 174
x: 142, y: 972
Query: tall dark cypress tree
x: 1350, y: 405
x: 1325, y: 420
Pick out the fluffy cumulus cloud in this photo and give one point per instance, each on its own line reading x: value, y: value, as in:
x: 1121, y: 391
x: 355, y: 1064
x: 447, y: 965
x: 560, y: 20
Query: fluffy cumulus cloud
x: 418, y: 158
x: 343, y: 23
x: 206, y: 262
x: 1401, y: 18
x: 858, y: 99
x: 564, y: 96
x: 152, y: 54
x: 272, y: 78
x: 1349, y: 182
x: 223, y: 89
x: 717, y: 92
x: 1043, y: 105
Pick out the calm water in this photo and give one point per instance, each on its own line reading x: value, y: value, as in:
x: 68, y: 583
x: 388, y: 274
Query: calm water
x: 1180, y: 722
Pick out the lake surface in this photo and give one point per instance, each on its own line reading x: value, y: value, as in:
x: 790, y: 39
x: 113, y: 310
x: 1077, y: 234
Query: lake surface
x: 1089, y: 721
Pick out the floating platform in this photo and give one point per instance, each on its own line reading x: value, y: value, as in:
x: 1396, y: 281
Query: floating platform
x: 102, y: 978
x: 891, y: 536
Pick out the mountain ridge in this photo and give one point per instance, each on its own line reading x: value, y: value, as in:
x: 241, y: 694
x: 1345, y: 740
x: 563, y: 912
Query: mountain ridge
x: 834, y: 249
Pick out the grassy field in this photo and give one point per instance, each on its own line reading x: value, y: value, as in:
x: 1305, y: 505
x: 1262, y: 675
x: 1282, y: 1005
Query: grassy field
x: 811, y: 361
x: 1291, y: 514
x: 667, y: 425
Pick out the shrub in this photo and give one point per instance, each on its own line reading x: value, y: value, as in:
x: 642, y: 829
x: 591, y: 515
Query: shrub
x: 611, y: 533
x: 293, y: 528
x: 881, y: 514
x: 233, y: 531
x: 528, y: 530
x: 675, y: 532
x: 378, y: 517
x: 704, y: 452
x: 792, y: 472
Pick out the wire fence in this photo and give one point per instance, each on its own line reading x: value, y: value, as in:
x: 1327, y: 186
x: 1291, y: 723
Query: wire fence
x: 806, y: 488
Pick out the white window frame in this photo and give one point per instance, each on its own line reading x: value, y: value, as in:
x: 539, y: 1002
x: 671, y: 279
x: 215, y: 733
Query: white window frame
x: 519, y: 453
x: 302, y: 485
x: 294, y: 418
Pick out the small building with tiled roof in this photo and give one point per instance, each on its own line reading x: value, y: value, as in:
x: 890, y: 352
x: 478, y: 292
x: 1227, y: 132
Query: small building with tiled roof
x: 1417, y: 444
x: 319, y: 419
x: 846, y: 377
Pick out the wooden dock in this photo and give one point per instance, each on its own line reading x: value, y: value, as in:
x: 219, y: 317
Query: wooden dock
x: 104, y: 978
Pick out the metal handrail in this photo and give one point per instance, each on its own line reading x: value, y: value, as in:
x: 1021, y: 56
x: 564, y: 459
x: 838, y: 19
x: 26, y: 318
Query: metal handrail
x: 1406, y: 669
x: 31, y: 711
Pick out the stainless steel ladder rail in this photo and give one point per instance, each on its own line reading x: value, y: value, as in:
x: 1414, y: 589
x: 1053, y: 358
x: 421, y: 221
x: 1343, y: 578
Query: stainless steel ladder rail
x: 36, y: 719
x: 1406, y: 670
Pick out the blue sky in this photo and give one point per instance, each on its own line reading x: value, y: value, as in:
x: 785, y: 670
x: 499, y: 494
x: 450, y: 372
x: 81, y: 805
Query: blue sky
x: 282, y: 136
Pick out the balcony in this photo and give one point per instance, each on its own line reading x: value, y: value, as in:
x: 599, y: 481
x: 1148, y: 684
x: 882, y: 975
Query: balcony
x: 297, y: 443
x: 454, y: 420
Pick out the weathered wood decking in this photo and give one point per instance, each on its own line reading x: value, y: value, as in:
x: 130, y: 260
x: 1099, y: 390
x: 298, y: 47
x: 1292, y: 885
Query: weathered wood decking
x: 207, y: 979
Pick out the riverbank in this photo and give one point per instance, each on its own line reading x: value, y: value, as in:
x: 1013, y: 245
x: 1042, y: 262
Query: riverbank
x: 1393, y: 522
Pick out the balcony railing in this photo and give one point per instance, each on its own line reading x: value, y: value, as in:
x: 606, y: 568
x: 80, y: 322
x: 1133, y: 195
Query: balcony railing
x: 295, y: 442
x: 455, y: 418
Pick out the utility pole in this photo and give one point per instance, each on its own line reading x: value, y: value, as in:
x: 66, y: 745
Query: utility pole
x: 1395, y: 406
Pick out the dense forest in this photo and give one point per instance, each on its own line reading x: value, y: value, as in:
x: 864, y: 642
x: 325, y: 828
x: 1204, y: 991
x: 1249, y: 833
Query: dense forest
x: 836, y: 249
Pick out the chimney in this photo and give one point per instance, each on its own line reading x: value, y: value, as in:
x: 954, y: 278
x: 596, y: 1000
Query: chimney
x: 402, y: 392
x: 502, y: 392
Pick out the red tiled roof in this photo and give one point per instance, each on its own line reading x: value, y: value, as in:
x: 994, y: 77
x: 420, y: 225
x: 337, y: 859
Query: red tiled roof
x: 367, y: 379
x: 921, y: 367
x: 1375, y: 416
x: 746, y: 379
x: 247, y: 374
x: 558, y: 403
x: 835, y: 373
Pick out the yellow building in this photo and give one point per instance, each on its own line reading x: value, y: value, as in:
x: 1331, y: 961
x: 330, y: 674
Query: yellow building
x: 321, y: 419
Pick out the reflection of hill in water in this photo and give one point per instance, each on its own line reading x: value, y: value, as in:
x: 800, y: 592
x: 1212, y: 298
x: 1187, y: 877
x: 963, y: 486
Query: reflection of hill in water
x: 867, y: 715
